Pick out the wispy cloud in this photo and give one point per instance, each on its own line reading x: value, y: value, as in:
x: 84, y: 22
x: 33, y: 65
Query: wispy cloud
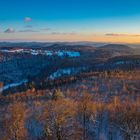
x: 27, y: 19
x: 28, y: 26
x: 28, y: 30
x: 129, y: 35
x: 10, y: 30
x: 46, y: 29
x: 63, y: 33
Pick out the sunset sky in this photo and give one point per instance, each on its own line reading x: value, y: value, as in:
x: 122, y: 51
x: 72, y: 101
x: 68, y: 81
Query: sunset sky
x: 70, y: 20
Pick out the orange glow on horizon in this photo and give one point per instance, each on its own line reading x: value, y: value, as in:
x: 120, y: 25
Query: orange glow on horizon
x: 73, y: 37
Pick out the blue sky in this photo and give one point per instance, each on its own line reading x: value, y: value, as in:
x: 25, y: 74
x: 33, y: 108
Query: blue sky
x: 55, y: 19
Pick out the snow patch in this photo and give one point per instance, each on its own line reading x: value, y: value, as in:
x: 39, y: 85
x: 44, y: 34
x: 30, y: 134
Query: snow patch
x: 68, y: 71
x: 13, y: 85
x: 44, y: 52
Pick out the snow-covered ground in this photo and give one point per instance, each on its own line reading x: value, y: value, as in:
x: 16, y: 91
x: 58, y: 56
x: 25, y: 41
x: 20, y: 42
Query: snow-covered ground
x: 59, y: 73
x: 120, y: 62
x: 12, y: 51
x: 67, y: 71
x: 13, y: 85
x: 44, y: 52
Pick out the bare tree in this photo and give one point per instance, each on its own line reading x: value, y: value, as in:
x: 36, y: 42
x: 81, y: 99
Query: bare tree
x: 15, y: 122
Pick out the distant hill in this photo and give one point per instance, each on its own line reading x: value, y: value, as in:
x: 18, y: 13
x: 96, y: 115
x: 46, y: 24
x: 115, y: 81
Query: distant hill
x: 115, y: 46
x: 113, y: 50
x: 19, y: 65
x: 130, y: 62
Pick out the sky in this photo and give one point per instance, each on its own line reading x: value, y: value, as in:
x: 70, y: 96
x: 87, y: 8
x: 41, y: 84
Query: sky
x: 70, y: 20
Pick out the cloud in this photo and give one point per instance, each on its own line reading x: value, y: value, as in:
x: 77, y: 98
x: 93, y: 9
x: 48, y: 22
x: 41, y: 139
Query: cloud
x: 27, y: 19
x: 115, y: 34
x: 28, y: 30
x: 10, y: 30
x: 46, y: 29
x: 63, y: 33
x: 28, y: 26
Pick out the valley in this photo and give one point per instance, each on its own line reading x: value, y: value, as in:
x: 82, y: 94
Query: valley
x: 69, y: 92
